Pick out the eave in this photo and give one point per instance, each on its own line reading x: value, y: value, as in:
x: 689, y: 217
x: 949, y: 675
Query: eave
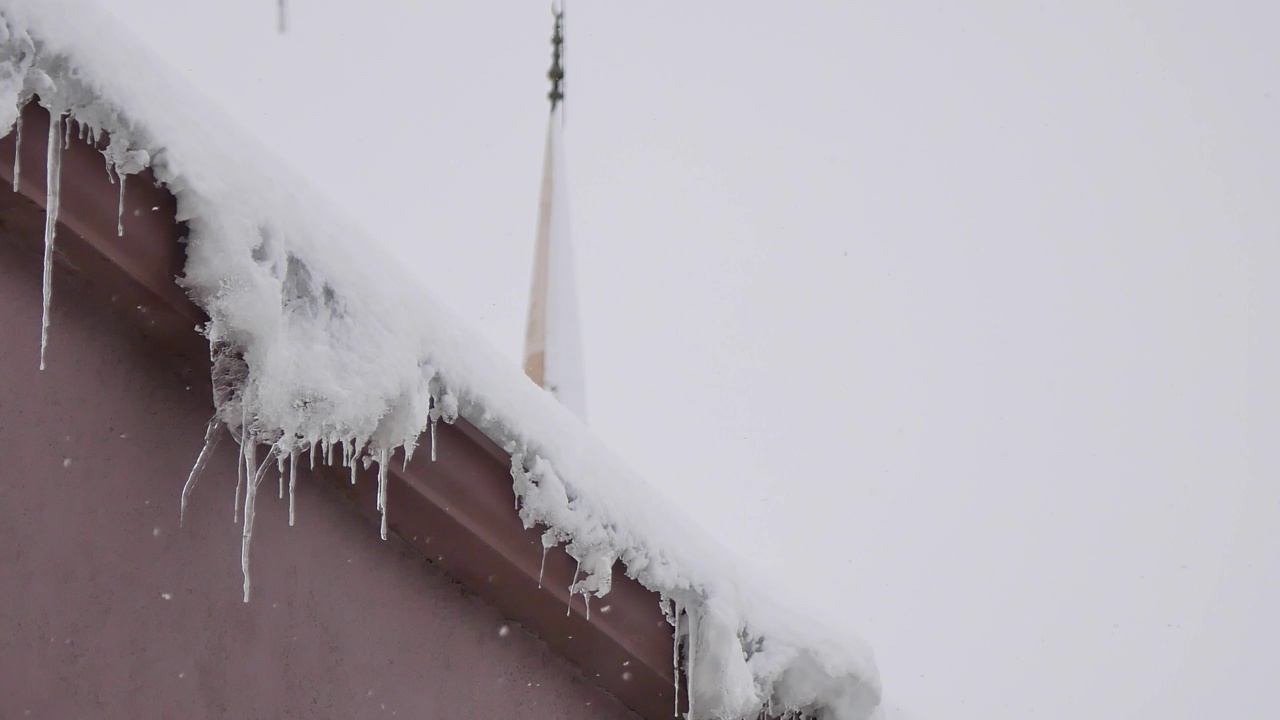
x: 458, y: 510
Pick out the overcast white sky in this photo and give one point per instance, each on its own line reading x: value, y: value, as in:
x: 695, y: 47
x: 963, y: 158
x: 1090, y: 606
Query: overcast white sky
x: 959, y: 321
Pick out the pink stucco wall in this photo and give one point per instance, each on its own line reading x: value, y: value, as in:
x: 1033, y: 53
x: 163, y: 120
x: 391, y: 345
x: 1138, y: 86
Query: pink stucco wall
x: 109, y: 609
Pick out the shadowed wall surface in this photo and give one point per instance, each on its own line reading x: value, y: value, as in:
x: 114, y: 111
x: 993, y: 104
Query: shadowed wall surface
x: 109, y: 609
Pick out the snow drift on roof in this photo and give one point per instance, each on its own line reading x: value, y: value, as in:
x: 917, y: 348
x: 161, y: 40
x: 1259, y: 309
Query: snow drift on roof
x: 319, y: 338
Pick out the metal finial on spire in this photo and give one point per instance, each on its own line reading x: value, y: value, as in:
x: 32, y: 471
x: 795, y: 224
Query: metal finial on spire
x: 556, y: 73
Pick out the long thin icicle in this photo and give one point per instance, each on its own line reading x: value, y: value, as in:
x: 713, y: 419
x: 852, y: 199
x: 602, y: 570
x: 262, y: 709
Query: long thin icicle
x: 377, y: 499
x: 246, y: 537
x: 120, y: 212
x: 250, y: 465
x: 382, y: 489
x: 675, y: 655
x: 211, y: 436
x: 691, y: 655
x: 240, y: 459
x: 53, y: 185
x: 17, y: 154
x: 235, y: 510
x: 293, y: 480
x: 569, y: 608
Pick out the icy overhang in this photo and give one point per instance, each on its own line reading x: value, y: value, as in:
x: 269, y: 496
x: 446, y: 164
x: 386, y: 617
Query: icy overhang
x: 321, y: 344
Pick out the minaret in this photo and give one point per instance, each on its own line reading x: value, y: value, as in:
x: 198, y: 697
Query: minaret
x: 552, y: 342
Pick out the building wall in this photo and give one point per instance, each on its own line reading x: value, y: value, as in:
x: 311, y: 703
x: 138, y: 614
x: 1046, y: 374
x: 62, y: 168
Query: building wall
x: 110, y: 609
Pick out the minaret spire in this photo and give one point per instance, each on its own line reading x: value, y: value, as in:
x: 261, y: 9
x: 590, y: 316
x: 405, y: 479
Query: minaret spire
x: 552, y: 343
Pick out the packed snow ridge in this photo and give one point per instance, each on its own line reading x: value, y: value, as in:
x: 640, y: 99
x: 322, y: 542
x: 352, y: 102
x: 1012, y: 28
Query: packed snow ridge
x: 321, y: 345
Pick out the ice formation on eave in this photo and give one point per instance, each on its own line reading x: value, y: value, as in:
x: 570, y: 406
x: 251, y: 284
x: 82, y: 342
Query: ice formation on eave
x: 320, y: 342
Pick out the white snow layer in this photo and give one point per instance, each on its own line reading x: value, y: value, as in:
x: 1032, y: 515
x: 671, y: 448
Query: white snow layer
x: 320, y: 338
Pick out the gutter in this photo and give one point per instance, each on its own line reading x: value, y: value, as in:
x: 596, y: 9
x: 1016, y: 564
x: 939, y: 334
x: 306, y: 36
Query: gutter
x: 457, y: 511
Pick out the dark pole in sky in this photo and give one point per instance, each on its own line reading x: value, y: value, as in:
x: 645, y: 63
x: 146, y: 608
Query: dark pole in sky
x: 556, y: 73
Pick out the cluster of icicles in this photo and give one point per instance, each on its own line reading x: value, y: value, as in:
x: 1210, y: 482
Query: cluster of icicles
x: 284, y: 455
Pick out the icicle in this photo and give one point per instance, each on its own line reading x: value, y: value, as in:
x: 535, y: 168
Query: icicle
x: 246, y: 536
x: 543, y: 567
x: 692, y: 655
x: 328, y: 451
x: 313, y: 455
x: 675, y: 654
x: 575, y: 582
x: 53, y: 186
x: 408, y: 455
x: 433, y: 439
x: 353, y: 469
x: 280, y: 469
x: 382, y: 489
x: 83, y: 130
x: 250, y: 464
x: 244, y: 442
x: 120, y: 211
x: 293, y: 479
x: 235, y: 510
x: 586, y: 600
x: 17, y: 154
x: 211, y: 436
x: 66, y: 141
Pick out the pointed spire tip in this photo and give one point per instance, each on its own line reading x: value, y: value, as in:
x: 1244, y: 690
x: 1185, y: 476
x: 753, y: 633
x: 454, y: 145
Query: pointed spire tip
x: 556, y: 73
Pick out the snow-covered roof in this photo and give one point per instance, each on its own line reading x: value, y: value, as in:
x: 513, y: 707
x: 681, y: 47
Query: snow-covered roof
x: 321, y: 338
